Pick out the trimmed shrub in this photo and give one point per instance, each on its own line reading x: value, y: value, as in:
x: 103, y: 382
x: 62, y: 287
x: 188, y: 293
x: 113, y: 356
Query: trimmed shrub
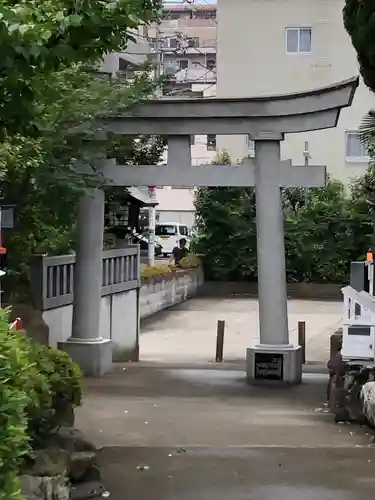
x: 14, y: 399
x: 57, y: 382
x: 157, y: 271
x: 191, y: 261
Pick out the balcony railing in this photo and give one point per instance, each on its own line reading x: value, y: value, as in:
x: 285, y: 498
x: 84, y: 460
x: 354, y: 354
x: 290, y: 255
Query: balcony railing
x: 180, y: 24
x: 195, y: 75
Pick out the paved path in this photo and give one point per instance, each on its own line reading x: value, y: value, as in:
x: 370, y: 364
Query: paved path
x: 188, y: 434
x: 181, y: 428
x: 187, y: 333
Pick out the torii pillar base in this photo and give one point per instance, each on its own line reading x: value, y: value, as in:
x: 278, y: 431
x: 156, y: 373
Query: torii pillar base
x: 94, y: 356
x: 274, y: 365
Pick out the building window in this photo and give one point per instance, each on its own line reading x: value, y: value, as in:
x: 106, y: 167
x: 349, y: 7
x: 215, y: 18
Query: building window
x: 152, y: 42
x: 298, y: 40
x: 183, y: 64
x: 196, y: 64
x: 173, y: 43
x: 250, y: 148
x: 193, y: 42
x: 211, y: 64
x: 174, y: 16
x: 355, y: 150
x: 211, y: 142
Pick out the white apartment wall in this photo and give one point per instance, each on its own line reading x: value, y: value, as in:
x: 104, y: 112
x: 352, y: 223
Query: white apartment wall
x: 252, y: 61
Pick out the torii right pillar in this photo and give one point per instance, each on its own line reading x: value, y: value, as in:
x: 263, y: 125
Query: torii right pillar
x: 274, y: 359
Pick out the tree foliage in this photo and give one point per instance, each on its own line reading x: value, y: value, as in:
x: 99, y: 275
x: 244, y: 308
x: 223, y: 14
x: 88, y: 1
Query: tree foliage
x: 46, y: 91
x: 359, y: 21
x: 38, y: 173
x: 41, y: 37
x: 325, y: 229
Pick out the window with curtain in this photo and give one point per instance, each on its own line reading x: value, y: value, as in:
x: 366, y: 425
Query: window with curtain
x: 355, y: 150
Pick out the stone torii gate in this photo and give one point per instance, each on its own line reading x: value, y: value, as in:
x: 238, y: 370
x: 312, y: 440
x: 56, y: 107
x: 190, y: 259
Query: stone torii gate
x: 266, y: 120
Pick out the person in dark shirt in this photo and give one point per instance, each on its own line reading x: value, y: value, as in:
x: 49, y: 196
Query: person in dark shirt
x: 179, y: 252
x: 335, y: 367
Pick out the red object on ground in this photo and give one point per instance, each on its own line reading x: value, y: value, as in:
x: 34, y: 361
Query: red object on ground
x: 3, y: 250
x: 17, y: 325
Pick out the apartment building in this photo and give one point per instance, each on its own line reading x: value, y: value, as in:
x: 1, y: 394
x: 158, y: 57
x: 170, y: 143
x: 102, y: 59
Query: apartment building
x: 184, y: 48
x: 270, y: 47
x: 135, y: 56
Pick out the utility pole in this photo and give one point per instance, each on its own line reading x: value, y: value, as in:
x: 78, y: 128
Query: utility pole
x: 159, y: 61
x: 152, y: 189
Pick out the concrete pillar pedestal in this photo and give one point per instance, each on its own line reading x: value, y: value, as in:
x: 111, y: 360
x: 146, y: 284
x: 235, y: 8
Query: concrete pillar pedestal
x: 274, y: 365
x: 93, y: 357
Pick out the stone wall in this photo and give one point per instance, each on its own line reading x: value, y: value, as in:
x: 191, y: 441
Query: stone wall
x: 119, y: 313
x: 160, y: 293
x: 118, y: 322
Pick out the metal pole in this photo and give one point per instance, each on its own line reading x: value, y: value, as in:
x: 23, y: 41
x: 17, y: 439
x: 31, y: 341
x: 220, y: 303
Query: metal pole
x: 220, y: 341
x: 302, y: 339
x: 306, y: 154
x: 152, y: 189
x: 151, y: 226
x: 159, y: 62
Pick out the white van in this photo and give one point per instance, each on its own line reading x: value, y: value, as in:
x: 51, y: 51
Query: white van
x: 168, y: 235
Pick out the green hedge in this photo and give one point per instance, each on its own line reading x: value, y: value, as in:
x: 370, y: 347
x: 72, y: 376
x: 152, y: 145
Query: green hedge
x: 14, y: 399
x: 39, y: 389
x: 325, y: 229
x: 57, y: 382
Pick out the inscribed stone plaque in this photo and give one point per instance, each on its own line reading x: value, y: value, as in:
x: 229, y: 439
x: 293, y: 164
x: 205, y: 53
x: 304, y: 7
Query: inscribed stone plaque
x: 268, y: 366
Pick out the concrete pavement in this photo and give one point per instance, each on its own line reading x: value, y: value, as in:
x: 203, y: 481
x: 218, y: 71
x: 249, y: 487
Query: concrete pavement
x: 179, y: 427
x: 186, y: 434
x: 187, y: 332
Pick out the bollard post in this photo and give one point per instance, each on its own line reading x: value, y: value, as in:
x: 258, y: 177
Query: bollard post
x: 302, y: 339
x: 220, y: 341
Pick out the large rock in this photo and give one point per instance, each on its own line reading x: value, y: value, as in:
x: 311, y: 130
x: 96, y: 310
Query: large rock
x: 67, y: 456
x: 49, y: 462
x: 367, y: 399
x: 81, y: 452
x: 71, y: 439
x: 80, y: 463
x: 45, y: 488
